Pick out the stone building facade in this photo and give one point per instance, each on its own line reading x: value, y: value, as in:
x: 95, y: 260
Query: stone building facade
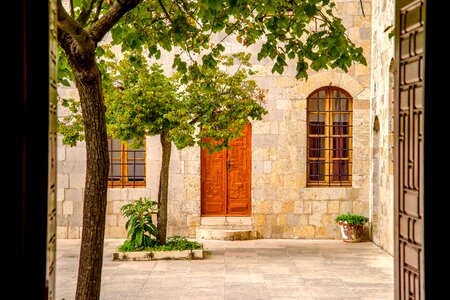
x: 282, y: 203
x: 382, y: 131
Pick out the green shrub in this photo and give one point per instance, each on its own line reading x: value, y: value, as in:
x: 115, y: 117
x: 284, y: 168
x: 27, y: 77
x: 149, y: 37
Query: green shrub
x: 142, y: 231
x: 175, y: 243
x: 352, y: 219
x: 178, y: 243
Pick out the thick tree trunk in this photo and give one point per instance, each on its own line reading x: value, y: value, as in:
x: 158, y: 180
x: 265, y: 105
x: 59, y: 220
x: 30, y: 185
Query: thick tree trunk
x: 163, y: 188
x: 79, y: 44
x: 89, y: 87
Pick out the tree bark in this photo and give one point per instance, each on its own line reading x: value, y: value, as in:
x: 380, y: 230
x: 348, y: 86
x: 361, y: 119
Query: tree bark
x: 89, y: 87
x: 81, y: 57
x: 79, y: 44
x: 163, y: 188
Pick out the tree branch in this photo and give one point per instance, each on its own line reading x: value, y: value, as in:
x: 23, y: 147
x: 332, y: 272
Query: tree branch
x: 72, y: 11
x: 98, y: 9
x: 68, y: 28
x: 85, y: 13
x: 71, y: 30
x: 99, y: 28
x: 165, y: 11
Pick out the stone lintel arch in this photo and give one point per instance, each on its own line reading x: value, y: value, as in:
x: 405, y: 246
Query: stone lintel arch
x: 337, y: 79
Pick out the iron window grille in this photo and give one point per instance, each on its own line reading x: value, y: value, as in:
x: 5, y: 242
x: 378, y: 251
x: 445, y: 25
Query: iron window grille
x: 329, y: 137
x: 126, y: 165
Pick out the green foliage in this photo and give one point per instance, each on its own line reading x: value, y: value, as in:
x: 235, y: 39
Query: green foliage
x: 352, y: 219
x: 142, y: 232
x: 308, y: 32
x: 141, y: 100
x: 71, y: 125
x: 64, y: 71
x: 129, y: 246
x: 178, y: 243
x: 174, y: 243
x: 141, y: 229
x: 222, y: 103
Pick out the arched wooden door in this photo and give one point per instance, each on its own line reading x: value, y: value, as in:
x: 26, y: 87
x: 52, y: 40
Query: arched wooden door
x: 226, y: 179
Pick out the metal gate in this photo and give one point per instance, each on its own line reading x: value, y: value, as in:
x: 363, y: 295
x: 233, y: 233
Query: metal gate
x: 409, y: 131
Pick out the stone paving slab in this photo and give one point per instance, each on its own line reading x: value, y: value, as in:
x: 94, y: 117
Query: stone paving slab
x: 248, y: 270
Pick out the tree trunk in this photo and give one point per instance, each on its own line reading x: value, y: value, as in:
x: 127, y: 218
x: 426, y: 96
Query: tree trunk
x: 89, y: 85
x: 163, y: 188
x: 80, y: 45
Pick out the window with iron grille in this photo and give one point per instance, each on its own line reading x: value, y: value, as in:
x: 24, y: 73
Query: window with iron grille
x: 126, y: 166
x: 329, y: 144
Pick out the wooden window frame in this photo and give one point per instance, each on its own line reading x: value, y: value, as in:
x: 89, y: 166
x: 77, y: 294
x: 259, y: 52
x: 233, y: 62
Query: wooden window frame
x: 327, y: 179
x: 125, y: 181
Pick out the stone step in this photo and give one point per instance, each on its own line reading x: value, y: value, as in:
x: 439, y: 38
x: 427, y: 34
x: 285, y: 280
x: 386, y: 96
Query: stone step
x: 225, y: 233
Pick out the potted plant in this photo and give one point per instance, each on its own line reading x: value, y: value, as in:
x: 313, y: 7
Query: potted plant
x: 352, y: 226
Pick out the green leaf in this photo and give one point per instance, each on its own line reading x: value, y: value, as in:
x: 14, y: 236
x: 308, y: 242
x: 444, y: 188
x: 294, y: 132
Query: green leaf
x: 310, y: 10
x: 215, y: 4
x: 277, y: 68
x: 139, y: 213
x: 209, y: 61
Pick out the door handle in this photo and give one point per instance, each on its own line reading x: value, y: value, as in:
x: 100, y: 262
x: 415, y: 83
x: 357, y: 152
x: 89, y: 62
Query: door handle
x: 228, y: 164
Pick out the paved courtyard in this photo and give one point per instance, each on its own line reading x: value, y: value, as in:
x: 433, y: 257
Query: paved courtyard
x: 252, y: 269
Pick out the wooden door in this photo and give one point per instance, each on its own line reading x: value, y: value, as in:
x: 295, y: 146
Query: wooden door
x: 409, y: 131
x: 226, y: 179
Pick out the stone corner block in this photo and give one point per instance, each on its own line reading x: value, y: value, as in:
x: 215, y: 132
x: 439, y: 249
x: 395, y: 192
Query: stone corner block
x: 197, y: 254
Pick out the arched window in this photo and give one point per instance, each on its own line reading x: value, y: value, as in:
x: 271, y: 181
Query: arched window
x: 329, y: 145
x: 126, y: 166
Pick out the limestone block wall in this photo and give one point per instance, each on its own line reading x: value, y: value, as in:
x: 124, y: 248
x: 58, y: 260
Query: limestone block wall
x: 382, y: 109
x: 70, y: 180
x: 283, y: 206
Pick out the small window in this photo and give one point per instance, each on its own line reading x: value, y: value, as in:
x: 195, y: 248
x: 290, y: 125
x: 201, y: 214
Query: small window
x: 126, y: 165
x: 329, y: 144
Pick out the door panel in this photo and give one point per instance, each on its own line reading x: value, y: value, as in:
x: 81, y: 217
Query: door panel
x: 213, y: 178
x: 409, y: 131
x: 239, y: 174
x: 226, y: 179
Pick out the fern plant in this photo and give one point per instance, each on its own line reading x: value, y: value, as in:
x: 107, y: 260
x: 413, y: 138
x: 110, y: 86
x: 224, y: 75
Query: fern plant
x: 142, y: 231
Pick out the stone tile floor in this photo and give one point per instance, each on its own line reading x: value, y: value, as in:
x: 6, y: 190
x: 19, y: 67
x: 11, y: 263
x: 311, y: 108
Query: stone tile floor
x: 252, y: 269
